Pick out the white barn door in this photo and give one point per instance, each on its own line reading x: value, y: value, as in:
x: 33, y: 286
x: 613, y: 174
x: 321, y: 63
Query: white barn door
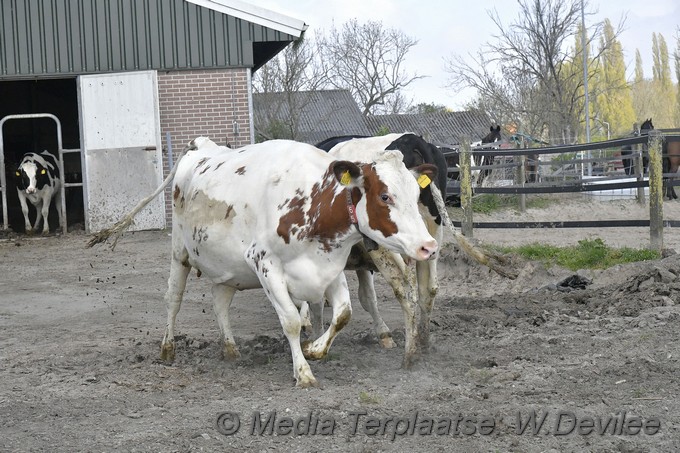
x: 121, y: 148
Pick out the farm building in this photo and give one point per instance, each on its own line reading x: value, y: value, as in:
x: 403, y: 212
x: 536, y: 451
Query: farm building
x: 319, y: 115
x: 119, y: 86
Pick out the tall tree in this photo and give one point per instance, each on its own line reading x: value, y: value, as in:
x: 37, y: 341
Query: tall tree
x: 528, y: 72
x: 639, y: 71
x: 367, y: 59
x: 613, y: 101
x: 664, y: 108
x: 676, y: 56
x: 642, y: 92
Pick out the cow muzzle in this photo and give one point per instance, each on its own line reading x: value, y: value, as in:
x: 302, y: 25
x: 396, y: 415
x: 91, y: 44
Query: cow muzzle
x: 427, y: 250
x: 30, y: 190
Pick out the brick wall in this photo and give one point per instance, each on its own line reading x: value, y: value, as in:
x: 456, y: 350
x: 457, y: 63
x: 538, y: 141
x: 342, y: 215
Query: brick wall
x: 202, y: 103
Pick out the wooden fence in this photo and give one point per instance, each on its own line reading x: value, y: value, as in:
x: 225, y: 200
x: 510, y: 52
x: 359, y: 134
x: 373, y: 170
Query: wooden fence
x: 575, y: 183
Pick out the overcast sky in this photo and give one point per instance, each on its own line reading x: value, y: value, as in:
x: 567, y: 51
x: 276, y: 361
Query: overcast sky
x: 458, y: 27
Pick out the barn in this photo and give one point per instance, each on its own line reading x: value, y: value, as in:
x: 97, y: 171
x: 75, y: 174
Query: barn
x: 117, y: 88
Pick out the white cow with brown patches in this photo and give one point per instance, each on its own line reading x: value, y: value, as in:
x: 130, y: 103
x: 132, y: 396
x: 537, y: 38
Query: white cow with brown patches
x: 415, y: 291
x: 283, y: 216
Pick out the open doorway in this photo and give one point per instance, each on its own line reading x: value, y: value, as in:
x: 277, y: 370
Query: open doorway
x: 20, y: 136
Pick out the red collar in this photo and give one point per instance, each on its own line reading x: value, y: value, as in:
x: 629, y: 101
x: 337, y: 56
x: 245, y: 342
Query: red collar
x: 351, y: 209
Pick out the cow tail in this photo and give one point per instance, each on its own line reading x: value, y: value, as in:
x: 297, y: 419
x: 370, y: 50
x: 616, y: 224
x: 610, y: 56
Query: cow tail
x: 494, y: 261
x: 117, y: 229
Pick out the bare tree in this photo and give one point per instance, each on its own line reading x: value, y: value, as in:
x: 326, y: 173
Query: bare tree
x: 282, y: 86
x: 529, y: 74
x: 368, y: 60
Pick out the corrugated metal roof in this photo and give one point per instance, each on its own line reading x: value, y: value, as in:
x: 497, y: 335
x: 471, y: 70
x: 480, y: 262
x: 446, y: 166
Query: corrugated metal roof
x: 330, y: 113
x: 440, y: 128
x: 68, y: 37
x: 320, y: 114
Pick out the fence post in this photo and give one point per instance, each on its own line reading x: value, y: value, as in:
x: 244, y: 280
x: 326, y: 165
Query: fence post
x: 466, y: 187
x: 640, y: 173
x: 655, y: 191
x: 520, y: 179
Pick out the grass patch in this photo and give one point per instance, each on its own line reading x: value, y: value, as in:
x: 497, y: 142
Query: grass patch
x: 368, y: 398
x: 588, y: 254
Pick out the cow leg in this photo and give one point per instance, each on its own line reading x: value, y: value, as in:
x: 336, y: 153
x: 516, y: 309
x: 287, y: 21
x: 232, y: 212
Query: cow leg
x: 173, y: 300
x: 426, y: 272
x: 369, y: 302
x: 222, y: 297
x: 57, y: 204
x: 24, y: 210
x: 337, y: 294
x: 38, y: 215
x: 291, y: 323
x: 45, y: 210
x: 273, y: 282
x: 402, y: 280
x: 308, y: 326
x: 315, y: 317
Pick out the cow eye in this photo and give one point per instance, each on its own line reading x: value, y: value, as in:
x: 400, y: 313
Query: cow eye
x: 386, y: 198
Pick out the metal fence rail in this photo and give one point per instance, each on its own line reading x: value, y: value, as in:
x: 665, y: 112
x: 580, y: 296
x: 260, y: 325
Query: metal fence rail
x: 655, y: 181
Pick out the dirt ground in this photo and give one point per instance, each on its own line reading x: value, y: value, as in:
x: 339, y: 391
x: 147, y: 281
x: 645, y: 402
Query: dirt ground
x: 80, y: 370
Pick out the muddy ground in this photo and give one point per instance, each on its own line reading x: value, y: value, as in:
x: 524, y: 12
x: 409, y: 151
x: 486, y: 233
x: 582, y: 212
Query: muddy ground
x: 80, y: 370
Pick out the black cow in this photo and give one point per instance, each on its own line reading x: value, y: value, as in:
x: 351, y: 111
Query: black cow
x: 37, y: 179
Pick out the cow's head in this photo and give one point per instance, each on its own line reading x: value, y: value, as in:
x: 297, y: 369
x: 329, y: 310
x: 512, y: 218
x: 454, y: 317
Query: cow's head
x: 387, y: 211
x: 31, y: 176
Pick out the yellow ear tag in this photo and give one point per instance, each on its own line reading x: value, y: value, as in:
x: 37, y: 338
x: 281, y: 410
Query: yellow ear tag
x: 42, y: 172
x: 346, y: 178
x: 18, y: 174
x: 424, y: 181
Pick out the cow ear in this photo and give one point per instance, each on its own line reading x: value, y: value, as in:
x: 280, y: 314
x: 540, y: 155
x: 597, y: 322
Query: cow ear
x: 425, y: 174
x: 348, y: 173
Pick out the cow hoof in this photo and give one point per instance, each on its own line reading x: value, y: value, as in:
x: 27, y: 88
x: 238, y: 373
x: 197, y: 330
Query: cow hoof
x: 310, y: 353
x: 168, y: 352
x: 230, y: 352
x: 409, y: 361
x: 386, y: 341
x: 423, y: 343
x: 307, y: 383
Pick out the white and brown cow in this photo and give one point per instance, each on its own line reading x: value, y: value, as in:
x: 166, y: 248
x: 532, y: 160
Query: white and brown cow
x: 415, y: 292
x: 37, y: 180
x: 283, y: 216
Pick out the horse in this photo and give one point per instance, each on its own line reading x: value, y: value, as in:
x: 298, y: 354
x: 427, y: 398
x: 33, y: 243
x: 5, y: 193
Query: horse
x: 493, y: 136
x: 627, y: 150
x: 671, y: 163
x: 670, y: 152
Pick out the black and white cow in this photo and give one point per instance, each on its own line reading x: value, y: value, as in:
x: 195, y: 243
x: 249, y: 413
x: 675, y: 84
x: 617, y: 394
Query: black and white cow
x: 37, y: 180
